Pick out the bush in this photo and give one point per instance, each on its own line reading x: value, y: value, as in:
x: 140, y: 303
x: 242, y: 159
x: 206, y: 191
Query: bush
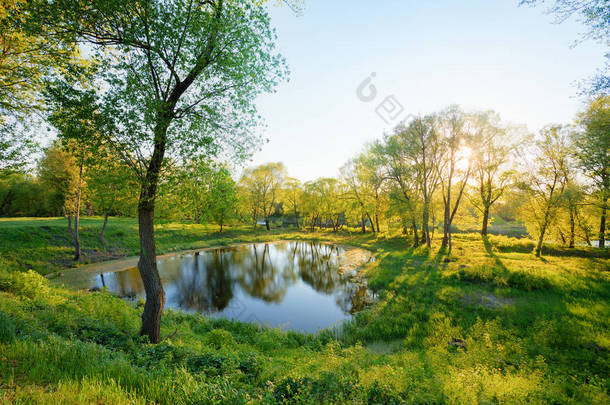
x: 29, y: 284
x: 212, y: 364
x: 219, y: 338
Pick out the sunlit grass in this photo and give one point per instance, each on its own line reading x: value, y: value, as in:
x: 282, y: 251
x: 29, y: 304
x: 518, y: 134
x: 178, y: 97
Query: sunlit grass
x: 533, y: 329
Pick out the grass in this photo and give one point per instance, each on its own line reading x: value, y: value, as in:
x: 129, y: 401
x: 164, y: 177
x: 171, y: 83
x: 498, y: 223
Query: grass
x: 487, y: 323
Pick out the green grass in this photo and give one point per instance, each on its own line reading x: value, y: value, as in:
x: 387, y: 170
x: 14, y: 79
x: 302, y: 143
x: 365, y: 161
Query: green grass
x: 534, y: 330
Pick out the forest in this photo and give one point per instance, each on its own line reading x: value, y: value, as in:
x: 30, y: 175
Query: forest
x: 467, y: 254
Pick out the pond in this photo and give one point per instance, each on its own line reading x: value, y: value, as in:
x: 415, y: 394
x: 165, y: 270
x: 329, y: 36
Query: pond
x: 294, y: 285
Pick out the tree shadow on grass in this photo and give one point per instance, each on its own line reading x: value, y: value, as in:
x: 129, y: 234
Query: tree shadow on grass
x: 492, y: 254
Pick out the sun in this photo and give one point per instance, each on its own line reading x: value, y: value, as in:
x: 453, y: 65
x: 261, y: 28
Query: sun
x: 463, y: 157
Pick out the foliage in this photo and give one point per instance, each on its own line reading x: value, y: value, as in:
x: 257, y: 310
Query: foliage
x: 261, y: 188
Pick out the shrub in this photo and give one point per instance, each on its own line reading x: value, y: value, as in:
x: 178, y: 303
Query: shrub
x: 29, y: 284
x: 219, y: 338
x: 213, y: 364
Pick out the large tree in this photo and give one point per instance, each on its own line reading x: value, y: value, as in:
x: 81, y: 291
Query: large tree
x: 545, y: 180
x: 180, y: 77
x: 423, y: 147
x: 491, y: 156
x: 593, y: 151
x: 453, y: 127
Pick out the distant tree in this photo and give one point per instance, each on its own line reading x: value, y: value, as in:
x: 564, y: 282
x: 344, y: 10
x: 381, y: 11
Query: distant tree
x: 544, y: 182
x: 364, y: 176
x: 400, y: 170
x: 292, y: 197
x: 110, y: 187
x: 325, y: 203
x: 262, y: 186
x: 21, y: 194
x: 311, y: 204
x: 222, y: 197
x: 58, y: 174
x: 453, y: 128
x: 490, y: 155
x: 593, y: 152
x: 73, y: 113
x: 423, y: 147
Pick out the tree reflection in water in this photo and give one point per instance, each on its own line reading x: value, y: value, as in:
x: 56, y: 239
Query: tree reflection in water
x: 213, y: 280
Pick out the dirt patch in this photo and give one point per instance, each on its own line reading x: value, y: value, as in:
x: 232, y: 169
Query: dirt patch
x: 486, y: 300
x: 353, y: 259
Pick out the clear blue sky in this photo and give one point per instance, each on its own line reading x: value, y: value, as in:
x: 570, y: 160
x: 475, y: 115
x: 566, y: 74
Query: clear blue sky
x: 480, y: 54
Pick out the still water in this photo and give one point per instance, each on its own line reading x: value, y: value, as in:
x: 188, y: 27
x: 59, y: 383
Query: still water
x: 294, y: 285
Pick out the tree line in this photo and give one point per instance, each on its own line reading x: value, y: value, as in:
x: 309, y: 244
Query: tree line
x: 424, y: 176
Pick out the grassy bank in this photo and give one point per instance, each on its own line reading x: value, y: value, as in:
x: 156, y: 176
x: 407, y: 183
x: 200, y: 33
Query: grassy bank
x: 490, y: 323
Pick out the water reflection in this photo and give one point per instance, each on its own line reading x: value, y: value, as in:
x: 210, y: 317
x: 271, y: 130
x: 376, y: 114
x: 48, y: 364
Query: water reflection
x: 299, y: 285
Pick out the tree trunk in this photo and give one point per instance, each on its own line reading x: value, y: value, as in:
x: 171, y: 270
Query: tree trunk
x: 147, y: 265
x: 541, y: 239
x: 363, y: 224
x: 296, y: 217
x: 602, y: 226
x: 77, y: 214
x: 572, y: 226
x: 446, y: 225
x: 70, y: 223
x: 104, y: 230
x: 371, y: 221
x: 415, y: 237
x: 267, y: 224
x: 485, y: 220
x: 425, y: 227
x: 377, y: 222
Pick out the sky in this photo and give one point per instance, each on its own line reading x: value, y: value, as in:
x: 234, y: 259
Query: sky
x: 419, y: 57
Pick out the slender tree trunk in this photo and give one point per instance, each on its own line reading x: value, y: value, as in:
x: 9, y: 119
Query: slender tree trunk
x: 296, y: 217
x: 415, y: 237
x: 602, y: 226
x: 572, y: 226
x: 267, y: 224
x: 542, y: 231
x: 363, y: 223
x: 77, y: 214
x: 539, y: 244
x: 447, y: 212
x: 70, y: 223
x: 371, y: 221
x: 104, y: 230
x: 426, y: 229
x: 485, y: 220
x: 377, y: 222
x: 446, y: 226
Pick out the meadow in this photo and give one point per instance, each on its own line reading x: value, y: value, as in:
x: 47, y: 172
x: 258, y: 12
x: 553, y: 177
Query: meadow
x: 487, y: 323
